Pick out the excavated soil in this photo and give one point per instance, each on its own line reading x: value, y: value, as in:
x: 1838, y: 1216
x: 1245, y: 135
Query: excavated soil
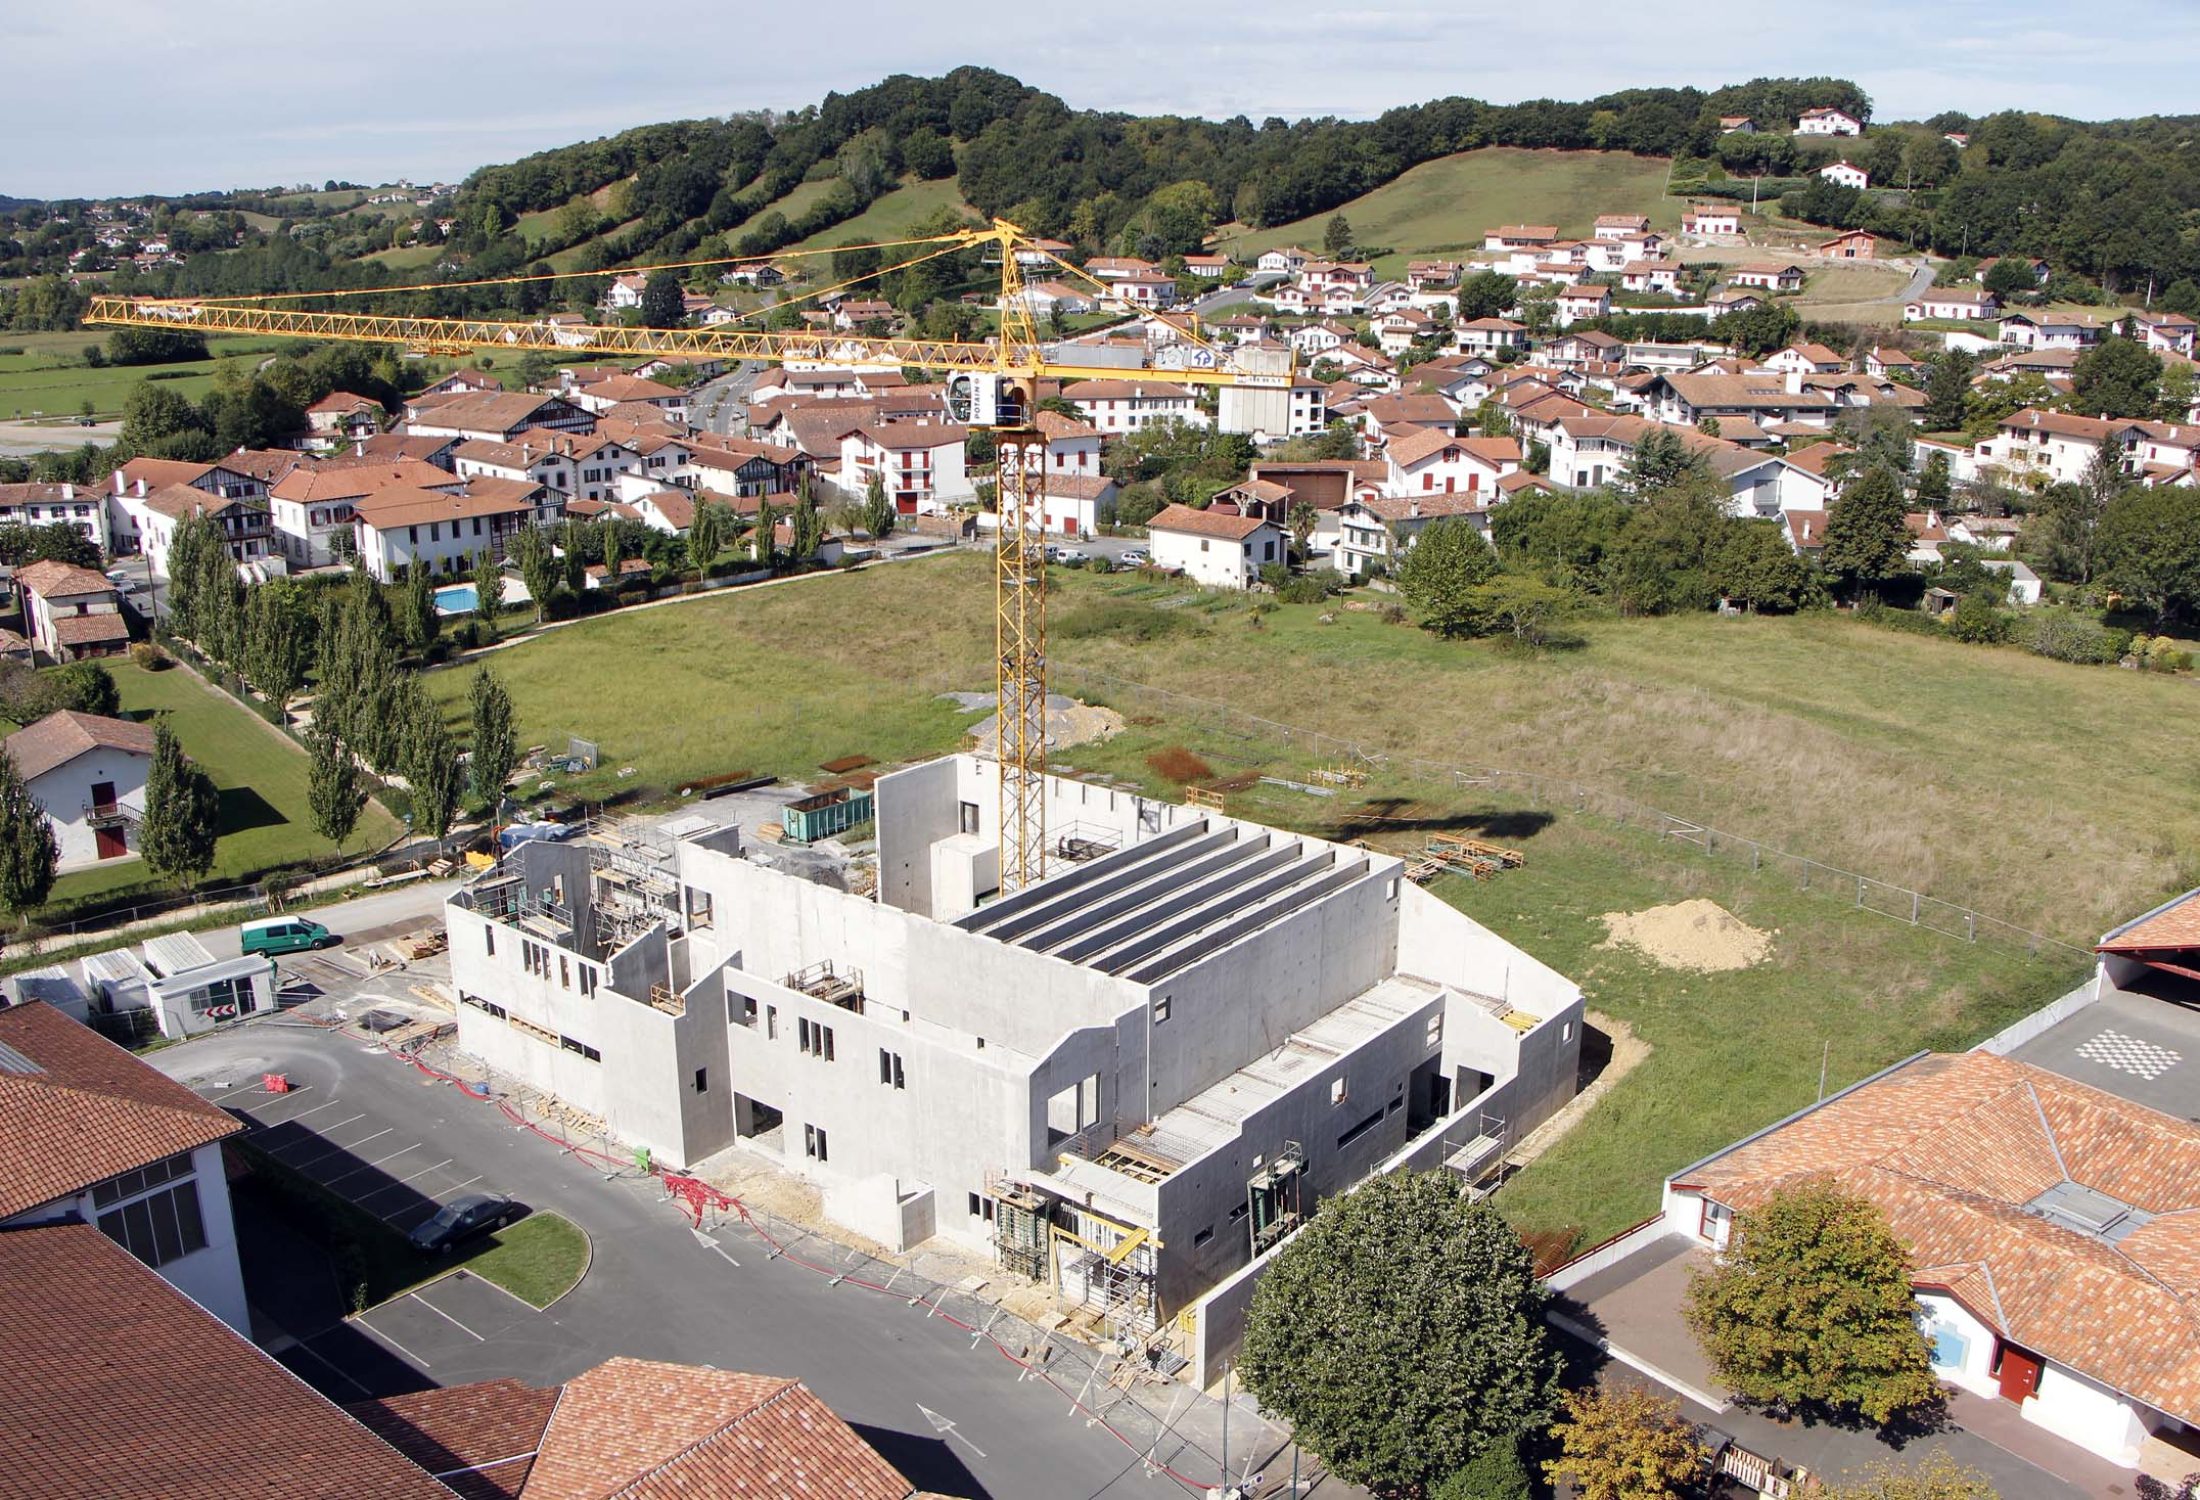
x: 1698, y: 935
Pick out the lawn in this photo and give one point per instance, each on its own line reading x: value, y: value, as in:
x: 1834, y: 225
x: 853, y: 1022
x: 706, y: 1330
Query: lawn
x: 537, y: 1260
x: 1442, y: 207
x: 266, y: 819
x: 49, y: 376
x: 889, y: 217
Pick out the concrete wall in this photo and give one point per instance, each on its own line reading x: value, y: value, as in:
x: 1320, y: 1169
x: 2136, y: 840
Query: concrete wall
x: 66, y: 790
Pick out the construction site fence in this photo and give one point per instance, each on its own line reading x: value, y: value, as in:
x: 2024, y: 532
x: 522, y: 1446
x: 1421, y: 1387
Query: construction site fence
x: 1544, y: 790
x: 1168, y: 1427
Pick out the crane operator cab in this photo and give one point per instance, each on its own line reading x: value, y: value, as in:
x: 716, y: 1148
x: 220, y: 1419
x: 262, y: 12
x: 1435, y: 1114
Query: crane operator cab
x: 982, y: 399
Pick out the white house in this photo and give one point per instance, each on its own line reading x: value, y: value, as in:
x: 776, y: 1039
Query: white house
x: 625, y: 292
x: 1073, y: 447
x: 70, y: 612
x: 1114, y: 406
x: 1620, y: 226
x: 2024, y: 584
x: 402, y: 528
x: 1828, y: 121
x: 1217, y: 551
x: 1651, y: 276
x: 40, y: 503
x: 1284, y: 260
x: 2164, y: 333
x: 1579, y: 304
x: 310, y: 508
x: 1960, y: 304
x: 1711, y: 220
x: 920, y: 463
x: 1846, y: 174
x: 88, y: 773
x: 1374, y: 533
x: 2048, y: 1225
x: 1773, y: 276
x: 1433, y: 461
x: 91, y: 1134
x: 1488, y: 335
x: 2028, y: 328
x: 1520, y: 237
x: 2055, y: 447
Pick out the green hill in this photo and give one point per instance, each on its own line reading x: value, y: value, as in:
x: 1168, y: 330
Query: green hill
x: 890, y: 216
x: 1442, y: 207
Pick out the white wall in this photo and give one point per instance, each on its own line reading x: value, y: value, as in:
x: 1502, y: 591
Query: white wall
x: 65, y: 791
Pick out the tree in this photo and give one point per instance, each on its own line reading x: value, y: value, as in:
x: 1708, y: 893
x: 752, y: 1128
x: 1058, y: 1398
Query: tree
x: 431, y: 768
x: 182, y: 812
x: 1625, y: 1445
x: 1401, y: 1332
x: 488, y: 581
x: 1442, y: 573
x: 332, y: 787
x: 1495, y: 1473
x: 1867, y: 535
x: 418, y: 620
x: 706, y: 535
x: 663, y: 305
x: 278, y: 641
x: 1487, y: 294
x: 1303, y: 520
x: 767, y: 522
x: 495, y: 746
x: 1933, y: 480
x: 2064, y: 534
x: 2117, y: 377
x: 28, y: 849
x: 614, y: 554
x: 1947, y: 387
x: 85, y: 686
x: 1523, y: 605
x: 1811, y: 1307
x: 2150, y: 550
x: 1936, y: 1476
x: 538, y: 566
x: 878, y: 511
x: 1337, y: 236
x: 1661, y: 460
x: 2011, y: 277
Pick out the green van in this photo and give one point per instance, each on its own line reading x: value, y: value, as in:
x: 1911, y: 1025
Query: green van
x: 285, y: 935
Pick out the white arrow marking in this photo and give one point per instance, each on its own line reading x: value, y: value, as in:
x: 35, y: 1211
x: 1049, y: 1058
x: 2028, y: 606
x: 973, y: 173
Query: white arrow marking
x: 940, y: 1424
x: 704, y: 1239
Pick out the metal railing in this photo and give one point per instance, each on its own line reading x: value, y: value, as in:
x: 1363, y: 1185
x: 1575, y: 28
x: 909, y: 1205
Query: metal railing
x: 1538, y: 789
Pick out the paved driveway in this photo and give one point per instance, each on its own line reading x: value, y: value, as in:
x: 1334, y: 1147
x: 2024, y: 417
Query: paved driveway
x: 944, y: 1406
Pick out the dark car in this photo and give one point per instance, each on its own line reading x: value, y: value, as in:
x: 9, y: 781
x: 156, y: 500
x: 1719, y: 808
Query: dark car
x: 461, y: 1219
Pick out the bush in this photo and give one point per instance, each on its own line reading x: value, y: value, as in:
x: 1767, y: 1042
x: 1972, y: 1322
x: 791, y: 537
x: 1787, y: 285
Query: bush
x: 1496, y: 1473
x: 150, y: 658
x: 1119, y: 619
x: 1979, y: 622
x: 1310, y: 588
x: 2158, y: 653
x: 2062, y: 636
x: 1910, y: 621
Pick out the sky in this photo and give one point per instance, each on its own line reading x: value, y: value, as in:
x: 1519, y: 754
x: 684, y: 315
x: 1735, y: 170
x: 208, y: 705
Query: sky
x: 170, y: 96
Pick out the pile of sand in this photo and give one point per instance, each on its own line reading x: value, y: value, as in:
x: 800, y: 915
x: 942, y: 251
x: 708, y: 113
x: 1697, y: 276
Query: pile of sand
x: 1699, y: 935
x: 1069, y: 722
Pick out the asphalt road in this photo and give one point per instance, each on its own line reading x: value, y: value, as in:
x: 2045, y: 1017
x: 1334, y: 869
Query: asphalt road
x: 722, y: 405
x: 949, y: 1411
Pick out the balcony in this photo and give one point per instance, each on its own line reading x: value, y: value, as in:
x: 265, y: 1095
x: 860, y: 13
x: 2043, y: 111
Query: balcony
x: 109, y: 815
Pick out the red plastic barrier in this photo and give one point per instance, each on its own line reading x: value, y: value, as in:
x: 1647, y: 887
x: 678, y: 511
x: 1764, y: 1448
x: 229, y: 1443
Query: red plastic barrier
x: 275, y: 1083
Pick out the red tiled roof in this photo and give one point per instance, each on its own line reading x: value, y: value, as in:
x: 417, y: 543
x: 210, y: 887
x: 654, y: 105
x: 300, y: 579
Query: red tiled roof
x: 1957, y: 1151
x: 484, y: 495
x: 2175, y: 925
x: 90, y: 630
x: 119, y: 1386
x: 50, y: 579
x: 89, y: 1112
x: 1205, y: 523
x: 479, y: 1439
x: 350, y: 481
x: 61, y: 737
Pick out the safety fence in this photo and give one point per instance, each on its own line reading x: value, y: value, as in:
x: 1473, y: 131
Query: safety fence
x: 1542, y: 790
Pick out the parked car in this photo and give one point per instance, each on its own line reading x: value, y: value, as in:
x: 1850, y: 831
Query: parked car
x: 1134, y: 557
x: 284, y: 935
x: 1068, y: 554
x: 461, y: 1219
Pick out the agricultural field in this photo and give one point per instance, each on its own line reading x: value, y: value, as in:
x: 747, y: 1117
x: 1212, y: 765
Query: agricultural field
x: 1973, y: 773
x: 266, y: 819
x: 1442, y: 207
x: 49, y: 375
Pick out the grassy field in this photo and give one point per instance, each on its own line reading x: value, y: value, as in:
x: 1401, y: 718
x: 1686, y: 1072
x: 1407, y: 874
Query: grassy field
x: 2054, y: 796
x: 50, y: 375
x: 890, y: 216
x: 1442, y: 207
x: 537, y: 1260
x: 265, y: 816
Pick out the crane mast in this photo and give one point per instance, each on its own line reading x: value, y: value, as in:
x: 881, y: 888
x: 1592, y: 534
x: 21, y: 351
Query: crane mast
x: 991, y: 384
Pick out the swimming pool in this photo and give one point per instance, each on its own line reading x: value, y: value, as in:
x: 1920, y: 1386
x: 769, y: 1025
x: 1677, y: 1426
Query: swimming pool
x: 458, y: 599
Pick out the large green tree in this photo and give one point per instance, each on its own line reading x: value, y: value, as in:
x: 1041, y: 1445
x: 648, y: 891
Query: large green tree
x: 1947, y: 392
x: 1627, y: 1444
x: 495, y: 746
x: 2150, y: 550
x: 2063, y: 534
x: 1810, y: 1308
x: 278, y: 641
x: 28, y: 849
x: 878, y: 510
x: 431, y: 768
x: 538, y: 566
x: 706, y: 535
x: 1401, y: 1333
x: 1867, y: 535
x: 488, y: 581
x: 663, y: 305
x: 2117, y: 377
x: 1441, y: 574
x: 418, y: 621
x: 182, y: 812
x: 332, y: 789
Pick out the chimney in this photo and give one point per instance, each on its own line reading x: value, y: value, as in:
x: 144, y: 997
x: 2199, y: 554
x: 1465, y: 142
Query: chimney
x: 141, y: 489
x: 1413, y: 508
x: 68, y: 490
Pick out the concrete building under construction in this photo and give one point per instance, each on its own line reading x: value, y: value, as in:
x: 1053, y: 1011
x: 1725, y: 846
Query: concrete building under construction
x: 1128, y: 1079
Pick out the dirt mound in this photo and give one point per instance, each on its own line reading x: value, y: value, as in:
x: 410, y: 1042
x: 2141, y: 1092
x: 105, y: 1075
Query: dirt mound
x: 1177, y: 764
x: 1700, y: 935
x: 1068, y: 723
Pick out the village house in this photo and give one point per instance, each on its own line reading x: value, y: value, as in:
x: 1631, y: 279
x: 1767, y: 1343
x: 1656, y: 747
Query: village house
x: 1073, y: 447
x: 1661, y: 276
x: 1375, y: 533
x: 1212, y: 549
x: 1828, y: 121
x: 2052, y: 447
x: 1431, y: 275
x: 1811, y: 477
x: 1772, y: 276
x: 1316, y: 339
x: 1520, y: 237
x: 497, y: 415
x: 1591, y: 448
x: 1116, y: 267
x: 1846, y: 174
x: 1737, y: 125
x: 1685, y: 398
x: 1581, y: 347
x: 2040, y: 269
x: 1853, y: 244
x: 246, y: 527
x: 83, y: 509
x: 2163, y: 333
x: 1581, y: 304
x: 91, y: 1135
x: 1960, y: 304
x: 1434, y: 461
x: 599, y: 396
x: 1733, y: 299
x: 309, y: 508
x: 920, y: 463
x: 1620, y: 226
x: 341, y: 416
x: 1884, y: 360
x: 739, y: 466
x: 1115, y: 406
x: 1488, y: 335
x: 1804, y: 359
x: 1284, y: 260
x: 2029, y: 328
x: 625, y: 292
x: 403, y: 528
x: 1711, y: 221
x: 88, y: 774
x: 1208, y: 267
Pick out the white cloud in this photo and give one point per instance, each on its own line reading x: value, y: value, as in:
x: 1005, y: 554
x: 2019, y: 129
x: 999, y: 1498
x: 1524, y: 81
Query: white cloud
x: 216, y: 93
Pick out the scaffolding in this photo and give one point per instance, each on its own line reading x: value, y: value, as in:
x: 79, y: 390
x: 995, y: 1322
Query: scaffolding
x: 1107, y: 1269
x: 1085, y: 841
x: 1272, y: 1206
x: 510, y: 899
x: 1480, y: 1158
x: 822, y: 981
x: 630, y: 871
x: 1021, y: 1221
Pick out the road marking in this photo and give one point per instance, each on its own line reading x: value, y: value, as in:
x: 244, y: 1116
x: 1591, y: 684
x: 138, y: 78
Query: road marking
x: 253, y: 1088
x: 400, y: 1182
x: 339, y: 1148
x: 394, y: 1344
x: 940, y: 1424
x: 369, y: 1166
x: 446, y: 1317
x: 704, y: 1239
x: 300, y: 1115
x: 313, y: 1136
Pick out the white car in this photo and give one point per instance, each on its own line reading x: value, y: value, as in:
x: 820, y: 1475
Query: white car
x: 1134, y: 557
x: 1069, y: 554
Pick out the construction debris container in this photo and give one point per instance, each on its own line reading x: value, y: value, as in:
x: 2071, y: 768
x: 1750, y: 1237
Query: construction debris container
x: 825, y: 815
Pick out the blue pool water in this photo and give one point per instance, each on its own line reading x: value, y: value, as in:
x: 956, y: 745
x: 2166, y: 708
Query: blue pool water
x: 459, y: 599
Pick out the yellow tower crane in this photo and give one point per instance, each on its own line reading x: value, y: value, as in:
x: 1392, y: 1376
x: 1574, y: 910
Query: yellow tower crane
x: 992, y: 384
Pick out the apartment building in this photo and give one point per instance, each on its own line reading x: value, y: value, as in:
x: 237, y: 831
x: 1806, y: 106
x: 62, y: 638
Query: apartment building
x: 1129, y: 1078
